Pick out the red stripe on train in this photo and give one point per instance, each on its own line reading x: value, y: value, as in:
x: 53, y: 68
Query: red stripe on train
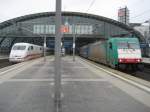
x: 32, y: 56
x: 128, y: 60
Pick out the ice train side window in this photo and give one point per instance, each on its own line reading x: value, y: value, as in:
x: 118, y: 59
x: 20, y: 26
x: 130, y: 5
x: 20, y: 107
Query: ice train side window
x: 31, y: 47
x: 28, y: 48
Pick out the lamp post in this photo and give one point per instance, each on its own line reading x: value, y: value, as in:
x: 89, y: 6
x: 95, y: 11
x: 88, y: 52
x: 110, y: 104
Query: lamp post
x: 57, y: 82
x: 149, y: 28
x: 148, y: 21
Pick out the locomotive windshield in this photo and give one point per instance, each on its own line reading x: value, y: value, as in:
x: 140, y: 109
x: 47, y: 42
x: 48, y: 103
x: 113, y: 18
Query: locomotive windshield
x: 122, y: 45
x: 19, y: 47
x: 133, y: 46
x: 128, y: 45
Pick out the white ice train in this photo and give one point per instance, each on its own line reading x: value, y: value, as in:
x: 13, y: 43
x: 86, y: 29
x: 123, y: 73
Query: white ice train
x: 24, y: 51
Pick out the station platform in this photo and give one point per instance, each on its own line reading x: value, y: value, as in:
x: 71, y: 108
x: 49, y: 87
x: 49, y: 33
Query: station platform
x: 29, y: 87
x: 146, y: 60
x: 4, y: 57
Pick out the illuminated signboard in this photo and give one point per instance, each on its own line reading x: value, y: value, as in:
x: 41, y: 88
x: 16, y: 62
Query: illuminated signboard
x: 50, y: 29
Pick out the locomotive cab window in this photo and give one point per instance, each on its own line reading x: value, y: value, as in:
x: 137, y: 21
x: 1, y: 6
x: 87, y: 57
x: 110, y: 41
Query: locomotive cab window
x: 110, y: 45
x: 133, y: 46
x: 122, y: 45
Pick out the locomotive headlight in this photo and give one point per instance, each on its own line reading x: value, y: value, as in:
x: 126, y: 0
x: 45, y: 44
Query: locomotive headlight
x: 138, y: 60
x: 120, y: 60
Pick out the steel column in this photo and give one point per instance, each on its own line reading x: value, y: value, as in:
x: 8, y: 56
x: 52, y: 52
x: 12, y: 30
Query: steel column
x: 57, y: 99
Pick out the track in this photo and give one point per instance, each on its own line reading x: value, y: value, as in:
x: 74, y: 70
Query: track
x: 145, y: 74
x: 4, y: 63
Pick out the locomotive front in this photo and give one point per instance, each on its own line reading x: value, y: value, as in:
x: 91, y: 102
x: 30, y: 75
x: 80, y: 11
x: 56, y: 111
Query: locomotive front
x: 129, y: 53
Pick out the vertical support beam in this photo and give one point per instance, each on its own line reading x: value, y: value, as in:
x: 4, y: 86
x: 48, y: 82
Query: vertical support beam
x: 104, y: 30
x: 2, y: 41
x: 126, y: 15
x: 74, y: 44
x: 149, y: 27
x: 57, y: 97
x: 44, y: 46
x: 13, y: 42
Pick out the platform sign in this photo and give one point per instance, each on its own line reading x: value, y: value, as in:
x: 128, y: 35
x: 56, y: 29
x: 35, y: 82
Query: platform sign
x: 144, y: 45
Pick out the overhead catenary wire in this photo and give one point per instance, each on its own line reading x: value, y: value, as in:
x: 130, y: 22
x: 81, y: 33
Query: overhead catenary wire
x: 135, y: 3
x: 147, y: 11
x: 91, y: 4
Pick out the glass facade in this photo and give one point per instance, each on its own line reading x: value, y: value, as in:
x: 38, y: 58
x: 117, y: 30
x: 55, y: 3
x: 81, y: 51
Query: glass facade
x: 83, y: 26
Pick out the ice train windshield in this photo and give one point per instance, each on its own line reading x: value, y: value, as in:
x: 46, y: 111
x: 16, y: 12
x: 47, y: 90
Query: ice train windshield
x: 18, y: 47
